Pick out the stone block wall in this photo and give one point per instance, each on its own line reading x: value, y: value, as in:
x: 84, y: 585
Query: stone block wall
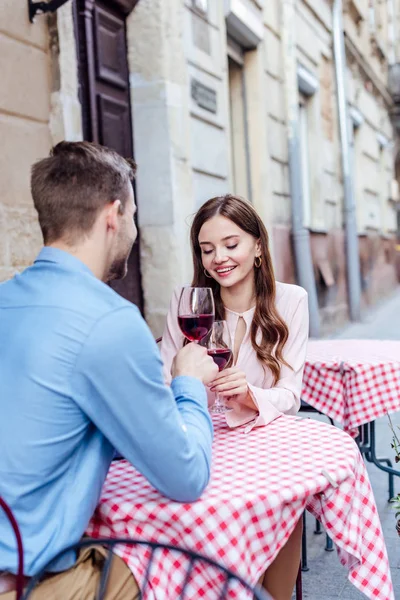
x: 24, y: 131
x: 183, y: 148
x: 190, y: 155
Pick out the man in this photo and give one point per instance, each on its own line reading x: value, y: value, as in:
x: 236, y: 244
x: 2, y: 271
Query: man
x: 80, y: 375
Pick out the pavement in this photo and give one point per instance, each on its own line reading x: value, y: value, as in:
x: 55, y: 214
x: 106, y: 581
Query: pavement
x: 326, y: 578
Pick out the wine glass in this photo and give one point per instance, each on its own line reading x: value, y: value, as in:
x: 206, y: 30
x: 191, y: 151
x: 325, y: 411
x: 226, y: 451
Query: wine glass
x: 219, y: 347
x: 196, y: 312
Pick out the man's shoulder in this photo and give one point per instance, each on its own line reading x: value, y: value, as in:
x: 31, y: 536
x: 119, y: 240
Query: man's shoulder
x: 58, y: 291
x: 99, y: 306
x: 98, y: 297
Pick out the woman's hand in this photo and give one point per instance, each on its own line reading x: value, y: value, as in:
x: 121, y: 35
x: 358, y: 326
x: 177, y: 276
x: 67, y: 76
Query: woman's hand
x: 232, y: 384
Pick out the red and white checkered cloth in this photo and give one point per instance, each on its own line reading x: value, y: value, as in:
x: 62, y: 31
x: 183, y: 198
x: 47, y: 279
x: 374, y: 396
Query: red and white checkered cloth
x: 352, y: 381
x: 261, y: 483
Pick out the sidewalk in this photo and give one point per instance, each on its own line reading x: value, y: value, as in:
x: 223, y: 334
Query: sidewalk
x: 327, y: 579
x: 381, y: 323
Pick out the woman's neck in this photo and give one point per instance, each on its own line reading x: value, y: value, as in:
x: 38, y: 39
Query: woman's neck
x: 239, y: 298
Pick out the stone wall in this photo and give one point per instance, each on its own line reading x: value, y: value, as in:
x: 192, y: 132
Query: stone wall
x: 184, y: 147
x: 373, y: 152
x: 24, y: 131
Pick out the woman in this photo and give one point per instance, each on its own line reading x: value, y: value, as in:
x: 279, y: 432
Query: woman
x: 268, y: 322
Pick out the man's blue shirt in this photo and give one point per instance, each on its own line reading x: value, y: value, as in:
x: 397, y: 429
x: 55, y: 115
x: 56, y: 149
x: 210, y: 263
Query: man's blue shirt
x: 80, y: 375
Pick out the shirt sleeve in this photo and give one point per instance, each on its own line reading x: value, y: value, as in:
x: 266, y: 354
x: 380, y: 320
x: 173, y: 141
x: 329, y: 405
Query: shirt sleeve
x: 284, y: 397
x: 164, y: 432
x: 172, y: 339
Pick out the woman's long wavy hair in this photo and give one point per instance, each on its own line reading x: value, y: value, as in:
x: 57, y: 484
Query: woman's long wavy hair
x: 274, y: 331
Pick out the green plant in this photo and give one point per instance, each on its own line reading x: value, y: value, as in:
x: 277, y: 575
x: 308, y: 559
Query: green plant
x: 396, y: 447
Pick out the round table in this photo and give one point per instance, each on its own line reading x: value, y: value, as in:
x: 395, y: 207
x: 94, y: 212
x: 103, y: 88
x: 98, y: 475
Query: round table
x: 260, y: 485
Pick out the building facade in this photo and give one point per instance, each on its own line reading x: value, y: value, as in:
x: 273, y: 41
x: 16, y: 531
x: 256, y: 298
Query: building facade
x: 211, y: 97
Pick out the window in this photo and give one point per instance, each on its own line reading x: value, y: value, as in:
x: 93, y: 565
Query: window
x: 305, y: 163
x: 356, y: 120
x: 308, y: 85
x: 383, y: 183
x: 238, y: 122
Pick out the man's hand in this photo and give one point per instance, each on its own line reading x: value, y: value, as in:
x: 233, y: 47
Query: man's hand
x: 193, y: 361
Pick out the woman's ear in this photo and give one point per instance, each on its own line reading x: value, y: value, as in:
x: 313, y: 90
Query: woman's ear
x: 258, y: 248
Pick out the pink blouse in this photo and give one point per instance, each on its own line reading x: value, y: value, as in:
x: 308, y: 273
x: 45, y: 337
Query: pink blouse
x: 284, y: 397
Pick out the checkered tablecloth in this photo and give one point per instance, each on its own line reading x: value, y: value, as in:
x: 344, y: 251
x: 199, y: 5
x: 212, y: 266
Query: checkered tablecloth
x: 261, y: 483
x: 352, y: 381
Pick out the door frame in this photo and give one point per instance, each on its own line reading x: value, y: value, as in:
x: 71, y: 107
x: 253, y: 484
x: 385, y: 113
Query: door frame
x: 83, y: 12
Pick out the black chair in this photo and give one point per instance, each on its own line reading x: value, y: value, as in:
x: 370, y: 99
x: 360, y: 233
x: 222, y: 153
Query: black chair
x: 223, y: 577
x: 304, y: 407
x: 20, y: 548
x: 226, y: 576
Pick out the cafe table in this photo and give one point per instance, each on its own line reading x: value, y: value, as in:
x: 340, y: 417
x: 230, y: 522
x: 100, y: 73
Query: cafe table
x: 261, y: 482
x: 354, y: 382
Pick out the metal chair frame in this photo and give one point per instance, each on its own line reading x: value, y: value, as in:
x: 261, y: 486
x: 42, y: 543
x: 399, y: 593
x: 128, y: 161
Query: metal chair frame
x: 366, y: 442
x: 194, y: 557
x: 258, y: 593
x: 20, y: 548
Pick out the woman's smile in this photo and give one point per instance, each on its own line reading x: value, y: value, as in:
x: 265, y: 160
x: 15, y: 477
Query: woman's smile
x: 224, y: 271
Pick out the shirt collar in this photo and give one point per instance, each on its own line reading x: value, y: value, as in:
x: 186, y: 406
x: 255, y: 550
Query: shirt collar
x: 65, y: 259
x: 247, y: 315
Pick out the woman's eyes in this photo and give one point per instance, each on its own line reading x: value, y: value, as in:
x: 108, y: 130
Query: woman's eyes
x: 228, y: 248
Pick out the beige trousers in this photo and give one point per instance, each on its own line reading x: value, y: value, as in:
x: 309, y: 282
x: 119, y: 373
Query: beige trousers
x: 82, y: 580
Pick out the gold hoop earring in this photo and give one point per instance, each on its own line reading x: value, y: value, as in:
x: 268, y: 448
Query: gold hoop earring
x: 207, y: 274
x: 257, y: 262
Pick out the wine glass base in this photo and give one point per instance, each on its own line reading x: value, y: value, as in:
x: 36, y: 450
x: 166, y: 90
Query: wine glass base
x: 219, y: 409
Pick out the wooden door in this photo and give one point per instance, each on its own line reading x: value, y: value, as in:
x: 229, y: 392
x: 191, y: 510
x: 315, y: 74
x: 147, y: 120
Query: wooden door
x: 105, y: 95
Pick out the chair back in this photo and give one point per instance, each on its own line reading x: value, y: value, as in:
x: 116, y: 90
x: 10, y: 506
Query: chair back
x: 224, y: 581
x: 20, y: 548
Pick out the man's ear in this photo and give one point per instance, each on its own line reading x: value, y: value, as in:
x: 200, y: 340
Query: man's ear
x: 113, y: 211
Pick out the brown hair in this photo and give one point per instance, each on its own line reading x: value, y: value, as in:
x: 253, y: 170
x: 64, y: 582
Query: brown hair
x: 73, y: 184
x: 274, y: 331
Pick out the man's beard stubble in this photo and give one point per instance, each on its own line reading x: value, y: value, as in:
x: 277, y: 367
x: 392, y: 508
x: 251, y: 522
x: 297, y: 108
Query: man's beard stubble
x: 118, y: 269
x: 119, y: 266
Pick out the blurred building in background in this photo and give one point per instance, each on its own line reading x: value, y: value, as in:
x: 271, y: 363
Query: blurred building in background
x: 269, y: 99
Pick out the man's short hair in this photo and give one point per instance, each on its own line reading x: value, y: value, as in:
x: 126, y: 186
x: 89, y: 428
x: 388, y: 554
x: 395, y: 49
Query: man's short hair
x: 72, y: 185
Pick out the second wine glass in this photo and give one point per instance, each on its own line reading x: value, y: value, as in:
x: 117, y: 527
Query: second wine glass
x: 219, y: 347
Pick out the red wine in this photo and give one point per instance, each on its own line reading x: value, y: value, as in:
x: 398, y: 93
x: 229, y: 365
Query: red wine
x: 195, y: 327
x: 221, y: 356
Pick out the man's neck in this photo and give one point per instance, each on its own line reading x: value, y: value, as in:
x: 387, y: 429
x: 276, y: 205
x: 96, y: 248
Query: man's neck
x: 86, y: 254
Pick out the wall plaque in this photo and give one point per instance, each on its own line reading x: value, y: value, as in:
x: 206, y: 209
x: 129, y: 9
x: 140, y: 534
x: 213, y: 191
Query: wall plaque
x: 204, y: 96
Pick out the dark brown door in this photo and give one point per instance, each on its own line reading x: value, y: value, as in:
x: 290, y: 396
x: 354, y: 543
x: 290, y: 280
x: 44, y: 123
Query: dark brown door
x: 105, y: 95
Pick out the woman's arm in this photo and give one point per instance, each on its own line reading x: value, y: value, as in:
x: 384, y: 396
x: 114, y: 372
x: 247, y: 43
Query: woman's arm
x: 249, y: 401
x: 285, y: 395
